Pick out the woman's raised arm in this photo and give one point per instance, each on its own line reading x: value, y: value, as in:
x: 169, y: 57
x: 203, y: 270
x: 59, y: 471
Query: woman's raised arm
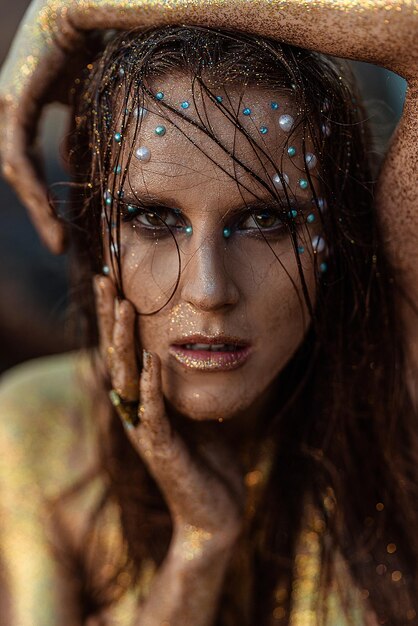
x: 382, y: 32
x: 52, y: 31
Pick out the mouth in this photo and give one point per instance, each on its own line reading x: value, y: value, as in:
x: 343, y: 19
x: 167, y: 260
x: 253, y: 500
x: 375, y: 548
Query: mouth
x: 211, y: 354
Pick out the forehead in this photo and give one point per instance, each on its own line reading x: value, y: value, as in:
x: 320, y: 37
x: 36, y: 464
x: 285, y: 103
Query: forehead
x: 233, y: 139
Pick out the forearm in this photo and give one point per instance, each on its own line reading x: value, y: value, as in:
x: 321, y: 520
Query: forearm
x: 397, y: 206
x: 378, y: 31
x: 186, y: 589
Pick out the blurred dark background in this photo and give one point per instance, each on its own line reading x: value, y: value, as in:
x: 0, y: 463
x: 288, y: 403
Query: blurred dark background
x: 33, y: 283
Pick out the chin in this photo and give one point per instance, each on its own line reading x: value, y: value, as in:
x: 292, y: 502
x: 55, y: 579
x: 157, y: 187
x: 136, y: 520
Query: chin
x: 202, y: 406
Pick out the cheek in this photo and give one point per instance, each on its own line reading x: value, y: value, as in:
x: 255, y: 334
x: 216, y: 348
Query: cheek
x: 271, y: 311
x: 281, y: 313
x: 150, y: 269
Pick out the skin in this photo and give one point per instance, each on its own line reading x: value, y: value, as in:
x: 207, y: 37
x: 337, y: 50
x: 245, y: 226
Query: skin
x: 234, y: 286
x: 203, y: 483
x: 379, y: 32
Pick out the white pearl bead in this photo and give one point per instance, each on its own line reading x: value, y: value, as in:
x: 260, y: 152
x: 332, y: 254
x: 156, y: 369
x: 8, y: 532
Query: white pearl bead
x: 318, y: 243
x: 311, y: 160
x: 278, y: 183
x: 140, y: 112
x: 143, y: 154
x: 286, y: 122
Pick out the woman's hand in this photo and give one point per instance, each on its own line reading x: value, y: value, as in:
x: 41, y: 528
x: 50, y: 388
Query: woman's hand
x: 54, y: 31
x: 204, y: 492
x: 203, y: 487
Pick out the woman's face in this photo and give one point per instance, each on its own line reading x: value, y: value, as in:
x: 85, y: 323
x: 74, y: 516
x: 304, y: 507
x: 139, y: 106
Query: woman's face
x: 237, y: 314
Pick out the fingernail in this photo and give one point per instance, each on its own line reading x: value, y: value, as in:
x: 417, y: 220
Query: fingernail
x: 147, y: 360
x: 116, y: 309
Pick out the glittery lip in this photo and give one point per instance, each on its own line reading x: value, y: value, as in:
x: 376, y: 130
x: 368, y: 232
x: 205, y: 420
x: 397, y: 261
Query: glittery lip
x: 210, y: 361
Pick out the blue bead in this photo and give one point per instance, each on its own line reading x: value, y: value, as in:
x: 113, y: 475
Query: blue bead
x: 274, y: 106
x: 311, y: 218
x: 118, y: 137
x: 185, y: 105
x: 293, y: 213
x: 264, y: 130
x: 108, y: 201
x: 323, y: 267
x: 301, y: 249
x: 303, y: 183
x: 188, y: 230
x: 219, y: 98
x: 118, y: 169
x: 160, y: 131
x: 227, y: 233
x: 131, y: 209
x: 159, y: 95
x: 106, y: 270
x: 246, y: 111
x: 291, y: 151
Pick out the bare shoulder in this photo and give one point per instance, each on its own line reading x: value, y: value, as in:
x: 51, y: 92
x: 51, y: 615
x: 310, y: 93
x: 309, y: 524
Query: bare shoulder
x: 46, y: 418
x: 47, y: 445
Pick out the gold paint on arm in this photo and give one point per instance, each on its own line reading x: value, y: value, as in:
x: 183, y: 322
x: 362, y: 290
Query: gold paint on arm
x: 397, y: 206
x: 378, y: 31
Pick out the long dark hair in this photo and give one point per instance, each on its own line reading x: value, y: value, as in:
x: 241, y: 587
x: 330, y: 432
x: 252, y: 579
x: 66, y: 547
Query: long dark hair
x: 345, y: 429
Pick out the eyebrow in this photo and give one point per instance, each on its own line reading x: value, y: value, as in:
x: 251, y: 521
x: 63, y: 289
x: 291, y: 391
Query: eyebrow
x: 150, y: 201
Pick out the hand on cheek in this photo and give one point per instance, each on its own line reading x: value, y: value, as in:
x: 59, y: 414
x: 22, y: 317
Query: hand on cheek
x: 116, y: 321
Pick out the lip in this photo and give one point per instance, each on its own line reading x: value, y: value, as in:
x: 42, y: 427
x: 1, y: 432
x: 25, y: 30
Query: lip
x: 210, y: 361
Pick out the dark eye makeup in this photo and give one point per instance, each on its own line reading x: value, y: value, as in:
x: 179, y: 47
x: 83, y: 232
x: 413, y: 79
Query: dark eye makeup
x: 260, y: 221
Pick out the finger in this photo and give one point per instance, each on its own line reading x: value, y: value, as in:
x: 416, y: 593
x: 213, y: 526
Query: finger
x: 125, y: 369
x: 153, y: 413
x: 154, y: 437
x: 21, y: 173
x: 188, y: 487
x: 105, y: 295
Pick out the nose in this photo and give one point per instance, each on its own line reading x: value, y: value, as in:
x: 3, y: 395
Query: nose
x: 205, y: 282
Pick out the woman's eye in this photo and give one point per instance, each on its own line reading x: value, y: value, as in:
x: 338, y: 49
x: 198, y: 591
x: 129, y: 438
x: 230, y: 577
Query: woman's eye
x: 154, y: 219
x: 262, y: 219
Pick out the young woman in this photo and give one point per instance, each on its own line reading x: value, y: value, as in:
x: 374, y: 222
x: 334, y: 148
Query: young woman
x: 266, y: 472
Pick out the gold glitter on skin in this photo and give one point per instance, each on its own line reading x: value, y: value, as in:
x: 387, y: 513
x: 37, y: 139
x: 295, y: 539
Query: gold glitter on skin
x: 378, y: 31
x: 193, y: 542
x: 183, y: 316
x: 233, y: 287
x: 25, y: 544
